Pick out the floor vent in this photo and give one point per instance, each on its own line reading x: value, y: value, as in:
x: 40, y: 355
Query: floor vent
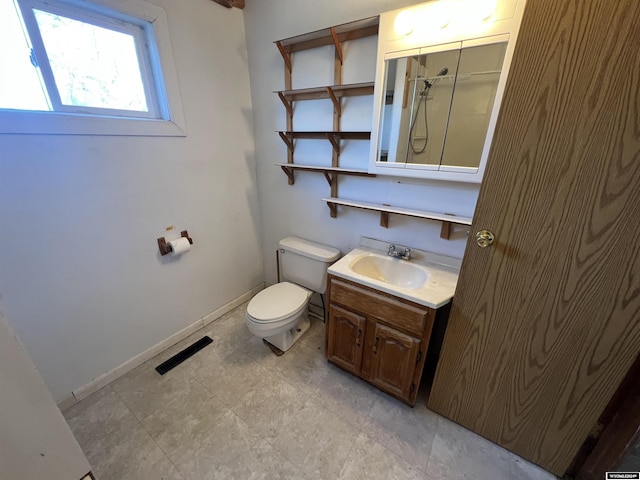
x: 180, y: 357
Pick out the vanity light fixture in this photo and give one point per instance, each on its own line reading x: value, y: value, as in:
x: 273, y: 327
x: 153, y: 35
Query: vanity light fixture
x: 441, y: 13
x: 436, y: 16
x: 483, y: 9
x: 473, y: 14
x: 403, y: 24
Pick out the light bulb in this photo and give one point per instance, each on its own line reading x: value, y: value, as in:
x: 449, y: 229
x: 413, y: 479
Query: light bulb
x: 483, y: 9
x: 441, y: 13
x: 403, y: 24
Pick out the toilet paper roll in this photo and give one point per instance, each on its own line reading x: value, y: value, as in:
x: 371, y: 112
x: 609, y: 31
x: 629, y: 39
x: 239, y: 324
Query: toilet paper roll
x: 179, y: 246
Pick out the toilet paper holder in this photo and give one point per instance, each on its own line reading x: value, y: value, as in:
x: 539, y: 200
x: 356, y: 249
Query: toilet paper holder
x: 165, y: 248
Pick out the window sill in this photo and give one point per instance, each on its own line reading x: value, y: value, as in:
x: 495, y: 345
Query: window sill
x: 55, y: 123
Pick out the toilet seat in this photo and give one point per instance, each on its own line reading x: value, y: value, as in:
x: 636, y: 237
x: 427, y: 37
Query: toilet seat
x: 278, y: 302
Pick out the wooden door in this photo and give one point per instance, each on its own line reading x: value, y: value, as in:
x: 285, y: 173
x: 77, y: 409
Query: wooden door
x: 394, y: 358
x: 345, y: 333
x: 546, y: 321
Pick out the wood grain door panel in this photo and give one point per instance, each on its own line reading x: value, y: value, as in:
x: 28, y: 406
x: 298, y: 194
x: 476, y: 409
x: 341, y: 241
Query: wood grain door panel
x: 394, y: 359
x: 546, y: 322
x: 346, y: 338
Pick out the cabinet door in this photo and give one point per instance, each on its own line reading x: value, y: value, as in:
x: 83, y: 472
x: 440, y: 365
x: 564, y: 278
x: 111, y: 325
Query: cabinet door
x: 394, y: 357
x: 345, y: 334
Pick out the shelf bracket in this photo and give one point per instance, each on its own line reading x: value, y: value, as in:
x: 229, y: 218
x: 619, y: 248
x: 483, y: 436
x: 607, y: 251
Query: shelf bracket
x: 286, y: 56
x: 287, y: 104
x: 332, y: 179
x: 336, y: 102
x: 289, y: 172
x: 287, y: 140
x: 333, y: 208
x: 445, y: 230
x: 335, y: 141
x: 337, y: 44
x: 384, y: 219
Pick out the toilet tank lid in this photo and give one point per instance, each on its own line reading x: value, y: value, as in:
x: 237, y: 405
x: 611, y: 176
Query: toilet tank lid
x: 310, y: 249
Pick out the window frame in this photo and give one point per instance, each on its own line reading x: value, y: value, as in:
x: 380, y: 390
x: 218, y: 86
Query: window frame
x: 148, y: 23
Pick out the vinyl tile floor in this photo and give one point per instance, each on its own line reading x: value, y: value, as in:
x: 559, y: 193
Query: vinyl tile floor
x: 236, y: 411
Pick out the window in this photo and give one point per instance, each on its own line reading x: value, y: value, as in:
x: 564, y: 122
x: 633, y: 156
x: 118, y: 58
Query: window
x: 72, y: 63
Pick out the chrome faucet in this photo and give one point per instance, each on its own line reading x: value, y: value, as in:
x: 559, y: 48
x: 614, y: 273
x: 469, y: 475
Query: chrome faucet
x: 392, y: 251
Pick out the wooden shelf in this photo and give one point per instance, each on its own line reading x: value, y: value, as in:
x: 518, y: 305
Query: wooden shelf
x: 333, y: 92
x: 330, y: 173
x: 334, y: 36
x: 328, y: 36
x: 316, y: 93
x: 324, y: 135
x: 314, y: 168
x: 333, y: 137
x: 447, y: 219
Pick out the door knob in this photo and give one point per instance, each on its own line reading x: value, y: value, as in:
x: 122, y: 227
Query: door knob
x: 484, y: 238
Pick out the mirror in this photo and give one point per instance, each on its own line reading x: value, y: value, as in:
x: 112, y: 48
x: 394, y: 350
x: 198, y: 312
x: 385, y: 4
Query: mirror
x: 441, y: 71
x: 438, y: 104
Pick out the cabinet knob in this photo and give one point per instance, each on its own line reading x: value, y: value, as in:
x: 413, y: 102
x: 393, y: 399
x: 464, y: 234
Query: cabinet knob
x: 358, y: 335
x: 484, y: 238
x: 375, y: 345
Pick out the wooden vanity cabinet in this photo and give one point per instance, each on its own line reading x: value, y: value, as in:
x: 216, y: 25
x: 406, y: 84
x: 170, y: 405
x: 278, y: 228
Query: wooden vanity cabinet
x: 378, y: 337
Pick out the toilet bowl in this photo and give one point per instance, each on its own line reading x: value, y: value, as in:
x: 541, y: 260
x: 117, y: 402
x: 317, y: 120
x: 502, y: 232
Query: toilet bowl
x: 277, y: 309
x: 279, y: 313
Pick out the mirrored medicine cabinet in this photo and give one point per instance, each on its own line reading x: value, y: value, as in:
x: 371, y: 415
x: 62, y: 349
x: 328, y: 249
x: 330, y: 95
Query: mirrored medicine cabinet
x: 437, y: 101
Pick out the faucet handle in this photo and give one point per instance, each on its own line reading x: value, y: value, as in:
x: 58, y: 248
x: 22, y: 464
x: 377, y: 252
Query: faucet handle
x: 391, y: 249
x: 407, y: 254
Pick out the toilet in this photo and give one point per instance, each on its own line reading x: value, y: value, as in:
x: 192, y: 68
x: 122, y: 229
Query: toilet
x: 279, y: 313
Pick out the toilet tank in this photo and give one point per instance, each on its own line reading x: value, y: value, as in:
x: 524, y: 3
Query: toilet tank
x: 305, y: 263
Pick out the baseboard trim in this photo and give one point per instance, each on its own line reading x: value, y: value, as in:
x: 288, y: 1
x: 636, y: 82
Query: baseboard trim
x: 67, y: 402
x: 108, y: 377
x: 207, y: 319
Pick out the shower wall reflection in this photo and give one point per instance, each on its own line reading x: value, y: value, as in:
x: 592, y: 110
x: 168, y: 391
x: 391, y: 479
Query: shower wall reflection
x: 438, y: 104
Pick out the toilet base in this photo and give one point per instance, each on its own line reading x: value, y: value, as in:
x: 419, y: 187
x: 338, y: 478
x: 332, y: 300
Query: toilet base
x: 284, y: 341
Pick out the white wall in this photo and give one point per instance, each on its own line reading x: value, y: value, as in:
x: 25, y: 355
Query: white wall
x: 297, y: 209
x: 80, y: 273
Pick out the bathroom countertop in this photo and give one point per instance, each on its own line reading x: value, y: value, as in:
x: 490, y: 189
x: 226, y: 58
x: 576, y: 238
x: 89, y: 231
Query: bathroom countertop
x: 437, y: 290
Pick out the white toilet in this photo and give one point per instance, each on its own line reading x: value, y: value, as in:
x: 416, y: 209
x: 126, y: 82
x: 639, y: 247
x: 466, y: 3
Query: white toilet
x: 278, y: 313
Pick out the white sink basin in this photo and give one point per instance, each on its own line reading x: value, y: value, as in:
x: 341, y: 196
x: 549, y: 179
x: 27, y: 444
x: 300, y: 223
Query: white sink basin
x: 427, y: 279
x: 390, y: 270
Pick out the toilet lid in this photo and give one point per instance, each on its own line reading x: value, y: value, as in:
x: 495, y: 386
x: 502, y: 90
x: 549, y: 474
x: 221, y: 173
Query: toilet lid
x: 277, y: 301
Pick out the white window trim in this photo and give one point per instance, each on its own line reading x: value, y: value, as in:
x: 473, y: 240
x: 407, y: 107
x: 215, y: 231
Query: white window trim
x: 61, y: 123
